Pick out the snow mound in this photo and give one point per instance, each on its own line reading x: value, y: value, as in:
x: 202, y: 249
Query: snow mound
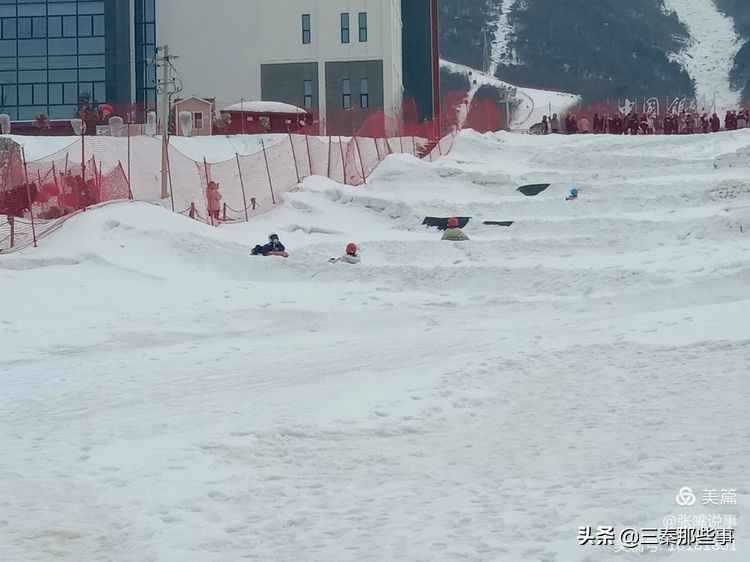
x: 167, y: 396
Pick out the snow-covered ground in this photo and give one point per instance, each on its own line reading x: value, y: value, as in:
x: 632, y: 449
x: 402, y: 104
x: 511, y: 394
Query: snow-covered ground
x: 534, y: 103
x: 709, y: 57
x: 166, y: 397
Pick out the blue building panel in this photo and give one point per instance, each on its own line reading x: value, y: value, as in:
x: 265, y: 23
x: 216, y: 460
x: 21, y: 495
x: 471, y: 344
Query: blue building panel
x: 416, y: 17
x: 51, y: 52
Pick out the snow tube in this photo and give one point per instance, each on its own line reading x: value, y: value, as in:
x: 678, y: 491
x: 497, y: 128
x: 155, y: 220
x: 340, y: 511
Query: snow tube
x: 442, y: 222
x: 533, y: 189
x: 280, y: 254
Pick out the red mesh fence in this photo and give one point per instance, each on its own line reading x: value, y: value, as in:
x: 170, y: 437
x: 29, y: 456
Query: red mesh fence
x: 128, y: 164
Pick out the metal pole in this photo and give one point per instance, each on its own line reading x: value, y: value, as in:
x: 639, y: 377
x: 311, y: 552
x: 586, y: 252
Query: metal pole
x: 242, y: 187
x: 268, y: 171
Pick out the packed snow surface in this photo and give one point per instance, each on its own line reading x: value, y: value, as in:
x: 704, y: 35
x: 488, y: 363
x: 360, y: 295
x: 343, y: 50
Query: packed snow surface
x: 709, y: 56
x: 167, y: 397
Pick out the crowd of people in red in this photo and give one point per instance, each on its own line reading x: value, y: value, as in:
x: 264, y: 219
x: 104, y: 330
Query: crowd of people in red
x: 684, y: 122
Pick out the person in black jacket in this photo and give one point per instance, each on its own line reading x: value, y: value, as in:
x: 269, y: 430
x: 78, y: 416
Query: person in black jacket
x: 274, y: 245
x: 715, y: 123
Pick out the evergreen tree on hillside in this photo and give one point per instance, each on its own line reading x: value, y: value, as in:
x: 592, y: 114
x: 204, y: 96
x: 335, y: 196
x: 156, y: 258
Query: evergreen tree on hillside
x: 740, y: 11
x: 461, y: 23
x: 602, y: 49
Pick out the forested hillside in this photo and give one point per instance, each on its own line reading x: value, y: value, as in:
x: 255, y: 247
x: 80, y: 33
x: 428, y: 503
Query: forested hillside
x: 603, y: 49
x: 740, y: 11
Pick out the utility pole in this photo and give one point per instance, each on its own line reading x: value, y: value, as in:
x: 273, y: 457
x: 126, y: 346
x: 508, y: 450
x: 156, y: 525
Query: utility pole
x: 167, y: 88
x: 485, y: 51
x: 511, y: 96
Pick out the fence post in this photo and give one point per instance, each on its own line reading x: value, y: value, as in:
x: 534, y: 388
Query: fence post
x: 414, y: 145
x: 28, y: 193
x: 205, y: 191
x: 268, y: 171
x: 12, y: 223
x: 330, y: 141
x: 130, y: 191
x: 169, y: 178
x: 242, y: 186
x: 361, y: 162
x: 224, y: 218
x: 343, y: 162
x: 294, y: 157
x: 191, y: 214
x: 130, y: 186
x: 39, y: 182
x: 309, y: 156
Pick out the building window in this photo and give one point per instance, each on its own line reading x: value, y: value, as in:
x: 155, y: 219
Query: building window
x: 198, y: 120
x: 363, y: 27
x: 306, y: 30
x: 346, y: 90
x: 364, y: 93
x: 24, y: 28
x: 345, y: 27
x: 308, y: 94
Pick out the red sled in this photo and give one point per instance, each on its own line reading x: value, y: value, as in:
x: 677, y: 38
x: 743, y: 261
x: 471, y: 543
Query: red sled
x: 280, y: 254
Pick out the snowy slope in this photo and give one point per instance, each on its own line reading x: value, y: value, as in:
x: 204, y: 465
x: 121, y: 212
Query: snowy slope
x: 534, y: 103
x: 709, y: 58
x: 501, y: 51
x: 167, y: 397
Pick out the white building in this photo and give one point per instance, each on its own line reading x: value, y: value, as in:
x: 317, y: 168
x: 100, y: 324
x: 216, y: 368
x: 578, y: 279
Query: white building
x: 341, y: 59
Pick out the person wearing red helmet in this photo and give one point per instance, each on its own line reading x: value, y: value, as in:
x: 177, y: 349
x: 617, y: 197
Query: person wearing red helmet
x: 351, y: 256
x: 453, y: 233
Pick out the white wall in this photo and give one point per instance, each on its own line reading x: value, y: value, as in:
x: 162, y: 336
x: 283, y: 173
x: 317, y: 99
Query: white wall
x: 222, y: 44
x: 217, y: 58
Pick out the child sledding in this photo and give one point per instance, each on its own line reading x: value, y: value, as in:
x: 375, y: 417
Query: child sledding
x: 273, y: 248
x: 351, y: 256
